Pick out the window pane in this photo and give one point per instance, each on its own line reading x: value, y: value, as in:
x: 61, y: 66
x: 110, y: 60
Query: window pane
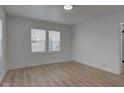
x: 54, y: 41
x: 38, y: 40
x: 1, y: 38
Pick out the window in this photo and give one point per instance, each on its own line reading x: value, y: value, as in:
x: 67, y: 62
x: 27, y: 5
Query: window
x: 1, y: 39
x: 54, y: 41
x: 38, y: 40
x: 43, y: 40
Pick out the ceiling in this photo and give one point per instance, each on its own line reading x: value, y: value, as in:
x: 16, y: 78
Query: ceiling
x: 56, y: 13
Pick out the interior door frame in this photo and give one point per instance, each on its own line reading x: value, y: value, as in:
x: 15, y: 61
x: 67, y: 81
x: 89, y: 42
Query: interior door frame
x: 121, y: 29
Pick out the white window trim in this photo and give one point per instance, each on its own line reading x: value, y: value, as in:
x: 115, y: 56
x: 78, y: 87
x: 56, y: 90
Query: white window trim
x: 47, y: 42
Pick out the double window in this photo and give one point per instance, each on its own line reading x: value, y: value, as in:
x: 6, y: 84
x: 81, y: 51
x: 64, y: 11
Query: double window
x: 44, y: 40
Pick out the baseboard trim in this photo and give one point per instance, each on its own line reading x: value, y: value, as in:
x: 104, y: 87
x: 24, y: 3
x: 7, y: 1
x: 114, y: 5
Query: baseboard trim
x: 97, y: 67
x: 37, y: 65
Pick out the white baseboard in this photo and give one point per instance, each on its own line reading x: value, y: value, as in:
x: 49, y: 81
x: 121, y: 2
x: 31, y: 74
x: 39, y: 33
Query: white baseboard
x: 98, y: 67
x: 45, y: 63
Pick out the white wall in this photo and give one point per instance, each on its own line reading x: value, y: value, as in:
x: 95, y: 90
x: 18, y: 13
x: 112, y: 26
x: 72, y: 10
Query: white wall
x: 3, y: 60
x: 97, y: 42
x: 19, y: 51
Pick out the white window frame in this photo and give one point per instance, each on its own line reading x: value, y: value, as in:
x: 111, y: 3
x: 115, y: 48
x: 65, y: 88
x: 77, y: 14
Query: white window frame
x: 47, y: 42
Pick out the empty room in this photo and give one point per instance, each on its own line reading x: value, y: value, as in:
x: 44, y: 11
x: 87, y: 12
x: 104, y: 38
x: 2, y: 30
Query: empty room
x: 61, y: 46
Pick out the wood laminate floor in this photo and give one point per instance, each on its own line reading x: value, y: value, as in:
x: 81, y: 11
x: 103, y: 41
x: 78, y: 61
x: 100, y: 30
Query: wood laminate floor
x: 122, y: 73
x: 64, y: 74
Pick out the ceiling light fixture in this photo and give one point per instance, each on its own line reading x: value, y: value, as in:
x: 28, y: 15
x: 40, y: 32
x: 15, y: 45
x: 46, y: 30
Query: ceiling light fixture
x: 68, y: 7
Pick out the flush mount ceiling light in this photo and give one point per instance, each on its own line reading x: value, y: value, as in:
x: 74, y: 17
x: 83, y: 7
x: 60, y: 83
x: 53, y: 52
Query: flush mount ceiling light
x: 68, y: 7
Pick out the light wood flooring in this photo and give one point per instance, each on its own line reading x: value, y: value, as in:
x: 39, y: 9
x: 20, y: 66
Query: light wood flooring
x: 64, y: 74
x: 122, y: 71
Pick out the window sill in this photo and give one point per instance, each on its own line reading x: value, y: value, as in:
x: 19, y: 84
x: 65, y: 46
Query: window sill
x: 50, y: 52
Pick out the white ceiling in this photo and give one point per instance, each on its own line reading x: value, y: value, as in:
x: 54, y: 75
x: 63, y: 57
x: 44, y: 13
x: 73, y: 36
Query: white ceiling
x: 56, y: 13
